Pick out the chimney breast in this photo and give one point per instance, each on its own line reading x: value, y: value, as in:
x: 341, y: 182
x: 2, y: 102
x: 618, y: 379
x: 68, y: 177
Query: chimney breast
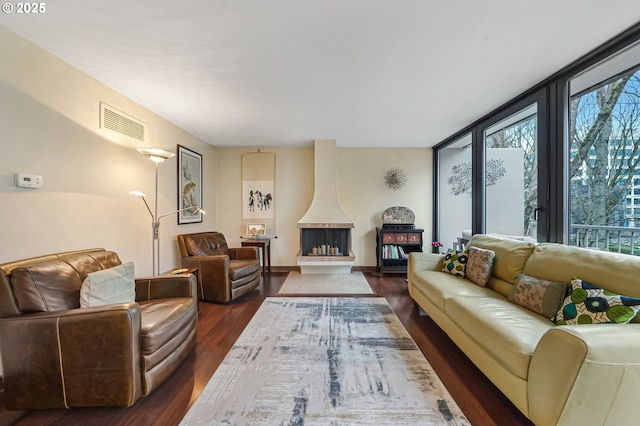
x: 325, y: 209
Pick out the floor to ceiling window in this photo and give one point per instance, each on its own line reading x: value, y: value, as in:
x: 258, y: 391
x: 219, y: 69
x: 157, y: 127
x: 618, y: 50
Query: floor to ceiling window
x: 454, y: 192
x: 559, y: 163
x: 511, y: 175
x: 604, y: 155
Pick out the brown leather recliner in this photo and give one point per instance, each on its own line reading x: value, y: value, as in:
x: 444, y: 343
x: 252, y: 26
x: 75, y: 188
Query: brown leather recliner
x: 224, y: 273
x: 58, y: 355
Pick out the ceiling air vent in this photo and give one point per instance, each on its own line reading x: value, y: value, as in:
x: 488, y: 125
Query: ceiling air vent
x: 118, y: 121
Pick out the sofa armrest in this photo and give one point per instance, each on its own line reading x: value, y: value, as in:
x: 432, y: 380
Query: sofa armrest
x: 166, y: 286
x: 75, y: 358
x: 244, y: 253
x: 419, y: 261
x: 585, y: 374
x: 211, y: 269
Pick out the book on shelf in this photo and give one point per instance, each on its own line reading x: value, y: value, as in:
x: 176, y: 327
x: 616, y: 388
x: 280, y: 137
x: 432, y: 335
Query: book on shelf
x: 391, y: 251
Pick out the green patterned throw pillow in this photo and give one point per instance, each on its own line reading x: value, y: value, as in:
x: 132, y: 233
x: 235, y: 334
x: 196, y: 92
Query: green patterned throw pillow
x: 455, y: 262
x: 588, y: 304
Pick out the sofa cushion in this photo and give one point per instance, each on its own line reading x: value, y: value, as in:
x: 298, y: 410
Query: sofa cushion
x: 505, y: 330
x: 455, y: 262
x: 479, y: 265
x: 540, y: 296
x: 205, y: 244
x: 109, y: 286
x: 589, y: 304
x: 438, y: 287
x: 243, y: 268
x: 46, y: 287
x: 615, y: 272
x: 163, y: 319
x: 511, y: 255
x: 86, y: 262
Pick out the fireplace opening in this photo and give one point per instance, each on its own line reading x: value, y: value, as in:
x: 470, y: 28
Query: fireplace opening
x: 325, y: 241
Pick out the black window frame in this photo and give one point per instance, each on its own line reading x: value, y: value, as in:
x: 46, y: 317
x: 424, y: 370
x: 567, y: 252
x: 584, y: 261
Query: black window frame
x: 555, y: 106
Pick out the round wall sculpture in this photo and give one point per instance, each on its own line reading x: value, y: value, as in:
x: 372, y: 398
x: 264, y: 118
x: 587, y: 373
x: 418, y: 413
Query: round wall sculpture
x: 395, y: 178
x: 398, y: 215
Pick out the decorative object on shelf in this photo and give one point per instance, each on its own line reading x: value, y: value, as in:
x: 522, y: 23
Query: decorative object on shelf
x: 189, y: 186
x: 158, y: 156
x: 395, y: 178
x: 398, y: 215
x: 256, y: 230
x: 435, y: 246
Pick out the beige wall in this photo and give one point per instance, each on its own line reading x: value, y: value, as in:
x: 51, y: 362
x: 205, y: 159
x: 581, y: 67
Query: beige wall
x: 293, y: 194
x: 49, y: 125
x: 361, y: 191
x: 364, y: 194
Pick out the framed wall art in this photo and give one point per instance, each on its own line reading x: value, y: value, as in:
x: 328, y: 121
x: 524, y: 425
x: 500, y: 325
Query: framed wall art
x: 189, y: 185
x: 258, y: 191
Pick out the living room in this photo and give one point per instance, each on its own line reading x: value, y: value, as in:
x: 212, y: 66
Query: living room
x: 51, y: 128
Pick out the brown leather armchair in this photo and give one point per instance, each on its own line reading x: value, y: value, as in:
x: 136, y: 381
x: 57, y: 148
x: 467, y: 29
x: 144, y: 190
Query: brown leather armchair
x: 58, y: 355
x: 224, y: 273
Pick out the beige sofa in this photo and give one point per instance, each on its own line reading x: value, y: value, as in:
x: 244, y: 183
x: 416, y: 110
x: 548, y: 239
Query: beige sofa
x: 565, y: 375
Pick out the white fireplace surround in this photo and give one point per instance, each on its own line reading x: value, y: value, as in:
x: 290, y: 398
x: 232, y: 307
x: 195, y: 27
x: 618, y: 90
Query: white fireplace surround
x: 325, y: 212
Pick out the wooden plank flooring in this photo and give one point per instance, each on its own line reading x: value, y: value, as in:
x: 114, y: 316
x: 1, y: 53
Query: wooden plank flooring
x: 220, y: 325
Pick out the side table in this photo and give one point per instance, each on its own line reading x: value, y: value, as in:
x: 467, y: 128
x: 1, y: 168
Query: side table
x: 263, y: 244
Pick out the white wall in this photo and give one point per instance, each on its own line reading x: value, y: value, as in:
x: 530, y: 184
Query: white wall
x: 361, y: 190
x: 49, y: 125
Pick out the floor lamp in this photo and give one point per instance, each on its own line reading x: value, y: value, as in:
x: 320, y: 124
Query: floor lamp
x: 158, y: 155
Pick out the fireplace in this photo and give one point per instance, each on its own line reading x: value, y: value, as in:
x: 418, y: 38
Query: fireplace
x: 325, y: 249
x: 325, y: 241
x: 325, y: 230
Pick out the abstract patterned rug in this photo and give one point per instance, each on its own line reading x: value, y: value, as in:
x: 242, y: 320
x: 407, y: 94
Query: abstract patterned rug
x: 324, y: 361
x: 325, y: 284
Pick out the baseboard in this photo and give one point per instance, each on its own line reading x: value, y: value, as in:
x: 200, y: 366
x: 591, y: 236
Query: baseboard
x: 364, y: 268
x: 285, y: 268
x: 297, y: 268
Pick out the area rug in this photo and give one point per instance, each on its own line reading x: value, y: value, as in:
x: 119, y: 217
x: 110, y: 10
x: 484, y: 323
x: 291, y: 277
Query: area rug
x: 324, y: 361
x: 325, y: 284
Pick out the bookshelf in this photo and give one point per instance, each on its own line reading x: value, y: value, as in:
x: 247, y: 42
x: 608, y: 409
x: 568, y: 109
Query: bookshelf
x: 393, y: 245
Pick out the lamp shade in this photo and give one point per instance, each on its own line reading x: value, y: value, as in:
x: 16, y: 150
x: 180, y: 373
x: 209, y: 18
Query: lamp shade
x: 157, y: 155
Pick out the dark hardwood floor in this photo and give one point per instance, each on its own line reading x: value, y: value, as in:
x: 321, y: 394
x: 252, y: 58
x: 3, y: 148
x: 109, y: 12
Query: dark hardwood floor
x: 220, y: 325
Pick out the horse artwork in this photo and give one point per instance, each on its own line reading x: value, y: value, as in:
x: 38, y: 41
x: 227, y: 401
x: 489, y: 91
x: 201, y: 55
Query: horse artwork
x: 258, y: 193
x: 258, y: 199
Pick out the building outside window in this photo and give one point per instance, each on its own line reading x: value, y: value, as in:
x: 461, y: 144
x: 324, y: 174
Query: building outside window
x: 604, y: 158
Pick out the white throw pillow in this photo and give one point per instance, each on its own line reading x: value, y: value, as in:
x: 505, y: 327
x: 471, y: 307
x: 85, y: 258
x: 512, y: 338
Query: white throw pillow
x: 109, y: 286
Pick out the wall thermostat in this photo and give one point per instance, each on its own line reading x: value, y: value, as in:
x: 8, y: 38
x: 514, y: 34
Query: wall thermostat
x: 27, y: 180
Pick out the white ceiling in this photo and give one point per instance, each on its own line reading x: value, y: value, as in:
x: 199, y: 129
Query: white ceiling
x: 368, y: 73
